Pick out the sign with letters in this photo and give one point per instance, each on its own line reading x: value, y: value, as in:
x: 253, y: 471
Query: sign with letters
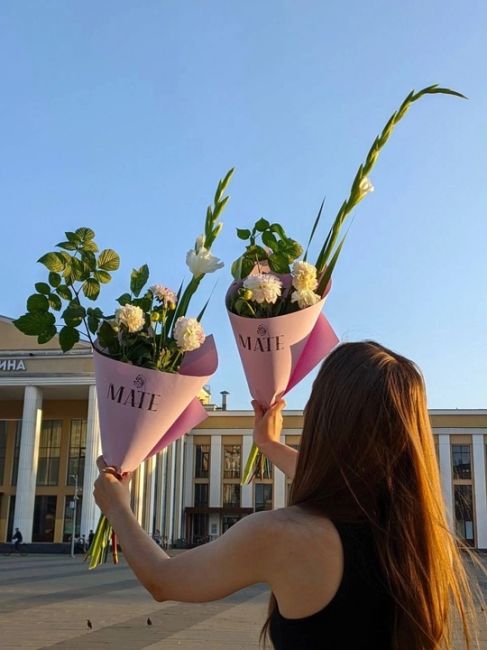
x: 12, y: 365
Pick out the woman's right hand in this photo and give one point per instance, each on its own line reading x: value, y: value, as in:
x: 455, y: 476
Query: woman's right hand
x: 268, y: 424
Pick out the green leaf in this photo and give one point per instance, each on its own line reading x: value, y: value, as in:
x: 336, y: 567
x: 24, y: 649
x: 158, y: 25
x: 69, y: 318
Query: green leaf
x: 54, y: 301
x: 35, y: 323
x: 106, y: 335
x: 236, y: 268
x: 73, y: 237
x: 291, y: 249
x: 313, y: 229
x: 270, y: 240
x: 85, y: 234
x: 279, y: 263
x: 37, y: 302
x: 124, y: 299
x: 42, y: 287
x: 47, y: 335
x: 243, y: 233
x: 64, y: 291
x: 138, y: 278
x: 91, y: 288
x: 276, y: 227
x: 73, y: 314
x: 262, y: 224
x: 256, y: 253
x: 93, y: 323
x: 67, y: 245
x: 89, y: 259
x: 90, y: 246
x: 102, y: 276
x: 68, y: 336
x: 242, y: 267
x: 79, y: 270
x: 53, y: 261
x: 54, y: 279
x: 108, y: 260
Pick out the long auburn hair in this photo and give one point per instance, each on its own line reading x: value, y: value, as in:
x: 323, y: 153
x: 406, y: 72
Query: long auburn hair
x: 367, y: 454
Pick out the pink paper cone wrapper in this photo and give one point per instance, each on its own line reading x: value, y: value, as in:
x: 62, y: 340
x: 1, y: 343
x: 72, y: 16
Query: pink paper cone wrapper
x: 138, y: 406
x: 278, y: 352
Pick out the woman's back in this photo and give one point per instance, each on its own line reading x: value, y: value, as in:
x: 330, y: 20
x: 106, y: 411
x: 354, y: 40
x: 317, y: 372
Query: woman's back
x: 333, y: 593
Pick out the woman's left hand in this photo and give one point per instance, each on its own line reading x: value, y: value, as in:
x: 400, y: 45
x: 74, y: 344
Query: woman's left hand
x: 111, y: 491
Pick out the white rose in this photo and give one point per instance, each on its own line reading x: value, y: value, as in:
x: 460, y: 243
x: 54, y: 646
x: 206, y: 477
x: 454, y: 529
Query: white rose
x: 265, y: 287
x: 189, y: 334
x: 305, y: 298
x: 132, y: 317
x: 365, y: 186
x: 202, y: 261
x: 304, y: 276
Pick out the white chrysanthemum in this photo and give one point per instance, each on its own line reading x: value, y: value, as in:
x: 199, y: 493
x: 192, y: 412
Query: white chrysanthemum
x: 305, y: 298
x: 304, y: 276
x: 189, y: 334
x: 202, y: 261
x: 365, y: 186
x: 265, y: 287
x: 131, y: 316
x: 164, y: 295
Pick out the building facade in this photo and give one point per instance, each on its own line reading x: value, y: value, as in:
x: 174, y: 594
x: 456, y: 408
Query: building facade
x: 191, y: 492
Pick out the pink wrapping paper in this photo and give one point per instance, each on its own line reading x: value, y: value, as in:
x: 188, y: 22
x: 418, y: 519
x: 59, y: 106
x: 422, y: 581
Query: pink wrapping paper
x: 277, y: 353
x: 143, y: 410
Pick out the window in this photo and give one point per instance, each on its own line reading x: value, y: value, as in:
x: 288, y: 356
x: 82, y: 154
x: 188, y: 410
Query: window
x: 231, y: 495
x: 228, y: 521
x: 462, y: 464
x: 464, y: 526
x: 201, y: 495
x: 15, y: 464
x: 263, y: 496
x: 68, y: 517
x: 49, y: 451
x: 3, y: 448
x: 202, y: 464
x: 231, y: 461
x: 199, y: 529
x: 44, y: 519
x: 77, y: 451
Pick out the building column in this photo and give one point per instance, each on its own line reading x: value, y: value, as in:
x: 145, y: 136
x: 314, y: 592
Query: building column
x: 279, y: 487
x: 160, y: 489
x: 140, y: 492
x: 169, y: 496
x: 478, y: 448
x: 444, y: 451
x: 247, y: 490
x: 150, y: 480
x: 90, y: 513
x: 28, y: 457
x: 178, y: 488
x: 216, y: 472
x: 188, y: 492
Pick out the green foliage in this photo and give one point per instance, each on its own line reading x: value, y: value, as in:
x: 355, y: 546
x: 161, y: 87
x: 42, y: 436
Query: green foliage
x: 279, y: 251
x: 138, y: 279
x: 74, y: 270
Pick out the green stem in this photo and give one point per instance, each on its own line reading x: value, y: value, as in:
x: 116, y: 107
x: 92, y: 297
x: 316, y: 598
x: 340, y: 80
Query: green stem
x: 250, y: 464
x: 355, y: 194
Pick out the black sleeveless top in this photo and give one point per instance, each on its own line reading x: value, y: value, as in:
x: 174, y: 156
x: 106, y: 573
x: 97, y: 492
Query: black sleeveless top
x: 359, y: 616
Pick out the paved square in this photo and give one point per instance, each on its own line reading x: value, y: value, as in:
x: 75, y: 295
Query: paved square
x: 46, y: 601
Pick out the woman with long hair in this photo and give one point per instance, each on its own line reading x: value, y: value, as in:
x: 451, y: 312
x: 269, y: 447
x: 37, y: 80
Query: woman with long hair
x: 363, y: 557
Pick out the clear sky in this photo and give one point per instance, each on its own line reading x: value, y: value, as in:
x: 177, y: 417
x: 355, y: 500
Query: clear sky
x: 122, y: 115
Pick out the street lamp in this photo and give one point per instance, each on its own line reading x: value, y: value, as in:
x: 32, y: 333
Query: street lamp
x: 75, y: 501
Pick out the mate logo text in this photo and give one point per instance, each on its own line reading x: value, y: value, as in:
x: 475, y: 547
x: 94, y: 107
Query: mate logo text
x: 134, y: 397
x: 262, y: 342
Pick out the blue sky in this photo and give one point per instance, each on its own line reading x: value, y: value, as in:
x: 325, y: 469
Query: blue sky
x: 123, y: 115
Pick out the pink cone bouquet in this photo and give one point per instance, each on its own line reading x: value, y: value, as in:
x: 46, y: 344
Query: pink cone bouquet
x: 151, y: 358
x: 276, y: 300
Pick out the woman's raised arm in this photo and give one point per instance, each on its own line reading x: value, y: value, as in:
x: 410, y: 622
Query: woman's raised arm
x: 267, y: 434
